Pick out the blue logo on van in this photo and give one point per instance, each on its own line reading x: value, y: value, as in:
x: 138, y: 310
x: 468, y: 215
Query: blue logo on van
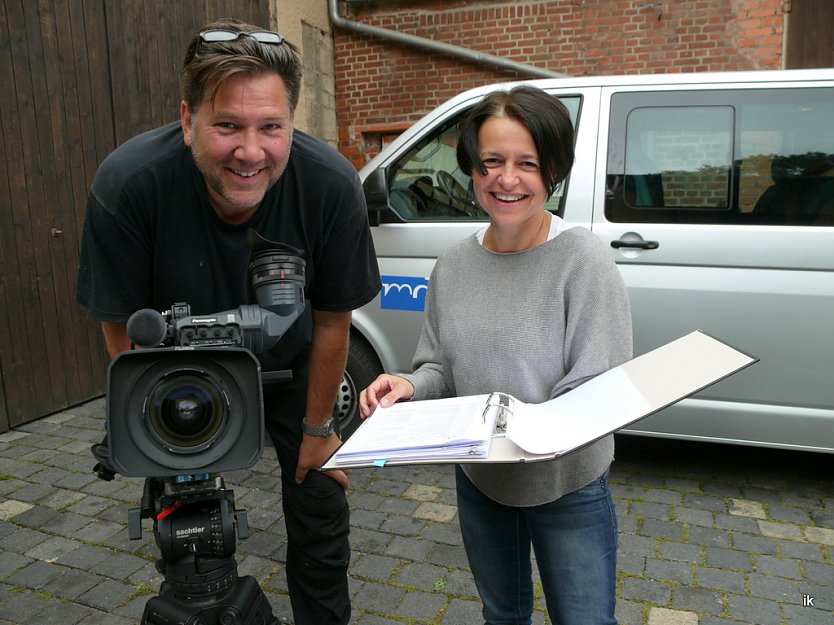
x: 404, y: 293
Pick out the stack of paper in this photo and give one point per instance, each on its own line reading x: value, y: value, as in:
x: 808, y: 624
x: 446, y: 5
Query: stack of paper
x: 455, y: 428
x: 463, y: 429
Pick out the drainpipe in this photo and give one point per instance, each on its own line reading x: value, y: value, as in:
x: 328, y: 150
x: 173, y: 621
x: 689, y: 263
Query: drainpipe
x: 436, y: 46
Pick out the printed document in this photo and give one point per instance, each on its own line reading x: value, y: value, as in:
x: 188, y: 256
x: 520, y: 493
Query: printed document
x: 500, y: 428
x: 441, y: 428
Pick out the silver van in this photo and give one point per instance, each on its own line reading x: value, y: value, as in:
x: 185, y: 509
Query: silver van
x: 715, y: 196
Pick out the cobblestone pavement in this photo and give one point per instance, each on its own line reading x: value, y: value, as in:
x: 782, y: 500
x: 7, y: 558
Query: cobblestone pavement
x: 709, y: 535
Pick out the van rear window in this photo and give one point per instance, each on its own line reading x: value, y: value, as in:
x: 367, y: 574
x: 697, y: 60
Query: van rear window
x: 762, y: 156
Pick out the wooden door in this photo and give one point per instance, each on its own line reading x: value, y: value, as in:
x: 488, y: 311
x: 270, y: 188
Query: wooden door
x: 810, y: 42
x: 77, y: 78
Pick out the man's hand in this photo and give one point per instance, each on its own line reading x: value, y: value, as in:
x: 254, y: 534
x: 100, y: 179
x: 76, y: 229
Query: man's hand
x: 328, y: 354
x: 314, y: 452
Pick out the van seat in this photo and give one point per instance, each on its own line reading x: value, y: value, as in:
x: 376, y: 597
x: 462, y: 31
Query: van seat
x: 802, y: 192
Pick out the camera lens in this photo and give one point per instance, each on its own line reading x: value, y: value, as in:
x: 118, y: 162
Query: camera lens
x: 278, y: 281
x: 186, y: 411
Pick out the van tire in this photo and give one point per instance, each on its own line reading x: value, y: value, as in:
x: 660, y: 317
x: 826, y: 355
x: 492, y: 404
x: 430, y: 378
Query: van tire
x: 362, y: 368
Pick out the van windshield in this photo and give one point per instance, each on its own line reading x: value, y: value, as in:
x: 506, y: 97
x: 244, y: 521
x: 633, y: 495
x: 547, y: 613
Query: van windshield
x: 427, y: 184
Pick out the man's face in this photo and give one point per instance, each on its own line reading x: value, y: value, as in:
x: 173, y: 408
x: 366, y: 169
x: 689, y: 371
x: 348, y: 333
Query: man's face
x: 241, y: 142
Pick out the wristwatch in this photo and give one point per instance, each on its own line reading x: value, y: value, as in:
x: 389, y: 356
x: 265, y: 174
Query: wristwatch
x: 324, y: 430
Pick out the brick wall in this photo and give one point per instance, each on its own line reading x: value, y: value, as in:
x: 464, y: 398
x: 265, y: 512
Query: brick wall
x: 383, y: 87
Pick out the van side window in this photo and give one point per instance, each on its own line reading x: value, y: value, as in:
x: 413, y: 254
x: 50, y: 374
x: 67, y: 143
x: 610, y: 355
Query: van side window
x: 761, y: 156
x: 426, y: 184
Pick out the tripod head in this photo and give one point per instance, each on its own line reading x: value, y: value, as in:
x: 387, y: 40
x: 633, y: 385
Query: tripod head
x: 194, y: 522
x: 191, y: 518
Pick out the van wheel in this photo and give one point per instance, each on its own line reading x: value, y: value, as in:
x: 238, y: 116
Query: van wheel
x: 362, y: 368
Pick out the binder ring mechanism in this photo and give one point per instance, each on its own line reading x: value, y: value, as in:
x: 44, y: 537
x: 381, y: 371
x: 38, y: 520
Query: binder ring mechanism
x: 501, y: 403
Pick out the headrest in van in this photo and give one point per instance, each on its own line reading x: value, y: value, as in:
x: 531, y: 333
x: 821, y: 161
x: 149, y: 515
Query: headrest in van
x: 808, y: 165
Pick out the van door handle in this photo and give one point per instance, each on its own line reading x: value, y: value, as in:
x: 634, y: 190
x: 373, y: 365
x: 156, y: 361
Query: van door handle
x: 643, y: 245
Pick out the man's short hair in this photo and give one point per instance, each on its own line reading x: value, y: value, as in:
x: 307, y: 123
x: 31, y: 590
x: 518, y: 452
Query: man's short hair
x: 208, y: 64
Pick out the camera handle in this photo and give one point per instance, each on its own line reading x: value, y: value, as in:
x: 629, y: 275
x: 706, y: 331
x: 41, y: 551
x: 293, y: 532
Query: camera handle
x: 144, y: 511
x: 276, y: 377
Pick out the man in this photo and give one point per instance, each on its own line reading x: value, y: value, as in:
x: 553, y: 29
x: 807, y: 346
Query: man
x: 166, y: 222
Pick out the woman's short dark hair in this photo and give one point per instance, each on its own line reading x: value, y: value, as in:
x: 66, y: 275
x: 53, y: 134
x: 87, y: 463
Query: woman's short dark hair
x: 544, y: 115
x: 208, y: 65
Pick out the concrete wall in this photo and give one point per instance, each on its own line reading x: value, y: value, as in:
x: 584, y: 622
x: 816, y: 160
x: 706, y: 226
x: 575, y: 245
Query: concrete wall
x: 306, y: 25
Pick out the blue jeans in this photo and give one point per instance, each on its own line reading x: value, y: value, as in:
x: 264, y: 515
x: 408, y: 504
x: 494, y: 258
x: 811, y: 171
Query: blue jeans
x: 575, y: 542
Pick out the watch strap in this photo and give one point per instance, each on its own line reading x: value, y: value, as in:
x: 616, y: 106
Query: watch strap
x: 324, y: 430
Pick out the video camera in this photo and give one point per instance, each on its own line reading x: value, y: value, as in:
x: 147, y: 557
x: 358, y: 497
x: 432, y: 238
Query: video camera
x: 190, y: 403
x: 184, y: 409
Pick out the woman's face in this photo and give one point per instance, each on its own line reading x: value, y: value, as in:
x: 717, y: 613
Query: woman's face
x: 512, y: 191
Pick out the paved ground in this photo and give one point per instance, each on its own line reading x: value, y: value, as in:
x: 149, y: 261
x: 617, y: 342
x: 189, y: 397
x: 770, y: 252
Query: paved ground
x: 709, y: 535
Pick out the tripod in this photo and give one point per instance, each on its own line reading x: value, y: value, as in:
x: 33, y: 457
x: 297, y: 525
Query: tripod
x: 194, y: 521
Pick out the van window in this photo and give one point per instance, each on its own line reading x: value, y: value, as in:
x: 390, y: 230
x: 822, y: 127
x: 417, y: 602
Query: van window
x: 763, y: 156
x: 426, y: 183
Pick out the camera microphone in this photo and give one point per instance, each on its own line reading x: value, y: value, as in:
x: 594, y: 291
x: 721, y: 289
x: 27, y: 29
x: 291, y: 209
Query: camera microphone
x: 146, y: 328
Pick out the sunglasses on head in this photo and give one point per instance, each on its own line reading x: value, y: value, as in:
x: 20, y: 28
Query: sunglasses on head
x: 261, y: 36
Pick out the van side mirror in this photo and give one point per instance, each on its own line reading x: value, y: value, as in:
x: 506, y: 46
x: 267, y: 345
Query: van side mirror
x: 376, y: 194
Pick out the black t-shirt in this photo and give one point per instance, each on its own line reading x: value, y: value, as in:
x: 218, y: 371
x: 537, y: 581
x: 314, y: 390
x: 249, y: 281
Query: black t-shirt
x: 151, y: 237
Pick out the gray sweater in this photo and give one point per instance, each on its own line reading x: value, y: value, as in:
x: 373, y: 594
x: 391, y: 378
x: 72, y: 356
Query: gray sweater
x: 533, y: 324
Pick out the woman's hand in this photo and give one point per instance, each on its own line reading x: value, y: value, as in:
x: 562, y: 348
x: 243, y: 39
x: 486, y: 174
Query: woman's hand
x: 383, y: 392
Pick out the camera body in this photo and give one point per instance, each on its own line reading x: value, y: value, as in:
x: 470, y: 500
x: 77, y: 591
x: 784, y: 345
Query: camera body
x: 181, y: 411
x: 191, y: 402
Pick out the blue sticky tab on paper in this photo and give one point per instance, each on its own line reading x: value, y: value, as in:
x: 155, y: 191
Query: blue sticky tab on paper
x: 404, y: 293
x: 379, y: 463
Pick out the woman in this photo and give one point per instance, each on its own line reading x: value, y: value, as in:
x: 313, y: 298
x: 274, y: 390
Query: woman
x: 531, y: 307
